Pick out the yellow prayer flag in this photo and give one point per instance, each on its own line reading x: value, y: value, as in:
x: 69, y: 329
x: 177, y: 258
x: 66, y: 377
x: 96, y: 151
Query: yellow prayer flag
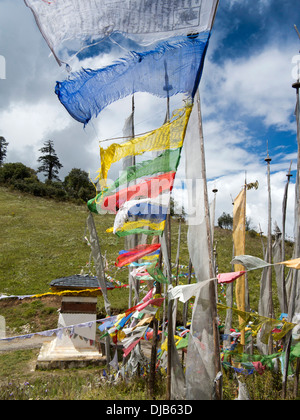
x: 138, y: 224
x: 239, y: 235
x: 169, y: 136
x: 292, y: 263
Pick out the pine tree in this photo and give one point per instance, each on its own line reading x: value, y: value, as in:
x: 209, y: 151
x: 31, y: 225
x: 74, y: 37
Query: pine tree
x: 3, y: 149
x: 50, y: 162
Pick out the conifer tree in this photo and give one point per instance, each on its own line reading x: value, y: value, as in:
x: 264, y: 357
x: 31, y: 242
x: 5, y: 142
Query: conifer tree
x: 3, y: 149
x: 50, y: 163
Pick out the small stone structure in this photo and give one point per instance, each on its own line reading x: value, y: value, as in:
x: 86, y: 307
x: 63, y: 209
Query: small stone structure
x: 76, y: 347
x: 2, y: 327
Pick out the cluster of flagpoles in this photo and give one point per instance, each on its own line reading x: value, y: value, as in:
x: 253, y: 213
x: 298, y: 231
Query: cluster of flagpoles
x: 287, y: 303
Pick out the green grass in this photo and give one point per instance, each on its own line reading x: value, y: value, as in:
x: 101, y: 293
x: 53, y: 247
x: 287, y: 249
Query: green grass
x: 77, y: 384
x: 42, y: 240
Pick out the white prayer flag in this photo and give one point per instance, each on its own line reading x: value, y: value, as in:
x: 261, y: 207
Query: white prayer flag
x: 69, y: 26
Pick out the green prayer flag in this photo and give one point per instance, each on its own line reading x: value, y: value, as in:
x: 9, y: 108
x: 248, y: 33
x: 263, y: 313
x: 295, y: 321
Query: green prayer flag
x: 156, y: 273
x: 167, y: 161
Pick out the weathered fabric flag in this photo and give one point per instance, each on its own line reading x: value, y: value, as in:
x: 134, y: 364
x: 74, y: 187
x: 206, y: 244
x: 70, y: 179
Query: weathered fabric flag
x: 167, y: 161
x: 295, y: 263
x: 144, y: 226
x: 97, y: 256
x: 143, y: 208
x: 175, y: 67
x: 150, y: 188
x: 239, y: 236
x: 201, y: 374
x: 250, y: 262
x: 197, y: 234
x: 168, y: 136
x: 73, y: 26
x: 201, y: 369
x: 135, y: 254
x: 229, y: 277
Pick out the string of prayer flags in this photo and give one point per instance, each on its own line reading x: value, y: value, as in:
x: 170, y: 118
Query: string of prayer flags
x: 258, y: 361
x: 87, y: 92
x: 71, y: 27
x: 254, y: 263
x: 135, y: 254
x: 169, y: 136
x: 57, y: 331
x: 185, y: 292
x: 129, y: 335
x: 259, y: 321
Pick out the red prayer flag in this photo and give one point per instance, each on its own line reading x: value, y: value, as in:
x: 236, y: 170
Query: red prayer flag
x: 229, y: 277
x: 147, y: 189
x: 135, y: 254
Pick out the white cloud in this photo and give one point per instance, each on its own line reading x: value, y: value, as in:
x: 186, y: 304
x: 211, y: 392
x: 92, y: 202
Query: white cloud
x: 260, y: 5
x: 24, y: 124
x: 257, y: 200
x: 256, y: 86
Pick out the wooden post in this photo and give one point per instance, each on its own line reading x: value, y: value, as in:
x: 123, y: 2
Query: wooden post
x: 134, y: 242
x: 269, y: 273
x: 291, y: 303
x: 178, y: 251
x: 284, y: 206
x: 185, y: 306
x: 168, y: 88
x: 153, y: 358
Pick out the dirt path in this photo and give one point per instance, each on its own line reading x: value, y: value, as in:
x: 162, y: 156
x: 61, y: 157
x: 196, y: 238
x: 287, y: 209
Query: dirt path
x: 23, y: 344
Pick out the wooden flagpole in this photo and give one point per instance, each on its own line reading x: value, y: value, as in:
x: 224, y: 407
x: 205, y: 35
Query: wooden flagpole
x: 284, y: 206
x: 167, y: 232
x: 135, y: 237
x: 169, y: 87
x: 269, y: 273
x: 291, y: 303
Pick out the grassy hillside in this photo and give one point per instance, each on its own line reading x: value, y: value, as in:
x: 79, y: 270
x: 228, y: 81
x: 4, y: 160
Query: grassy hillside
x: 42, y: 239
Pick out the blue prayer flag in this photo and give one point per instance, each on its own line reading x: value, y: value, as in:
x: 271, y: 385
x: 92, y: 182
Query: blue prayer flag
x: 174, y: 66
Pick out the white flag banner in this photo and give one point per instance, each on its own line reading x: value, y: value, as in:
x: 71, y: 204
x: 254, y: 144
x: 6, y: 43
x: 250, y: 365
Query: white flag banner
x: 185, y: 292
x: 71, y: 25
x: 197, y: 231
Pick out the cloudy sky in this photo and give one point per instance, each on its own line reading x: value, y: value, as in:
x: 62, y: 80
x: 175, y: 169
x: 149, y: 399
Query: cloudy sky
x: 246, y: 96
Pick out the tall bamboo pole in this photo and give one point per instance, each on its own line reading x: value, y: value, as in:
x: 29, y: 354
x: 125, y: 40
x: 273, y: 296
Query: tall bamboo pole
x: 269, y: 273
x: 284, y: 206
x: 178, y: 252
x: 291, y: 303
x: 168, y: 88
